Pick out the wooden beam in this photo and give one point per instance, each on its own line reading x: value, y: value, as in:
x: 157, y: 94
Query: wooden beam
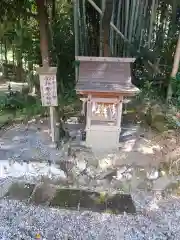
x: 105, y: 94
x: 111, y: 24
x: 105, y: 59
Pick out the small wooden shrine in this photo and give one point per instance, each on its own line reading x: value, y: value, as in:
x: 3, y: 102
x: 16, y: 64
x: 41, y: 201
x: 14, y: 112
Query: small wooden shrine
x: 102, y: 84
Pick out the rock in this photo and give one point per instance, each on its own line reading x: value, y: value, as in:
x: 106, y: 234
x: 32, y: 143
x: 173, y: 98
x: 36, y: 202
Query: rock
x: 91, y: 172
x: 157, y: 118
x: 160, y: 126
x: 73, y: 133
x: 127, y: 176
x: 83, y: 180
x: 153, y: 174
x: 172, y: 155
x: 81, y: 165
x: 92, y: 183
x: 144, y: 185
x: 162, y: 183
x: 125, y: 187
x: 108, y: 174
x: 124, y: 173
x: 102, y: 182
x: 156, y: 112
x: 67, y: 166
x: 106, y: 163
x: 79, y: 168
x: 5, y: 184
x: 43, y: 193
x: 122, y: 170
x: 75, y: 172
x: 92, y: 161
x: 135, y: 182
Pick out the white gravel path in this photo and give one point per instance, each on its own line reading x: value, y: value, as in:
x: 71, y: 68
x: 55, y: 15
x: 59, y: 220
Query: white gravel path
x: 20, y: 221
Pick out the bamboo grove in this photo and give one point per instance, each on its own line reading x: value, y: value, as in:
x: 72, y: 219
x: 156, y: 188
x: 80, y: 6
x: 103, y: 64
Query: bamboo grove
x: 145, y: 29
x: 149, y: 31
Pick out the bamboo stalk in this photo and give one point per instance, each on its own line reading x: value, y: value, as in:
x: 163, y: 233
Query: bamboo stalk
x: 85, y: 27
x: 176, y: 60
x: 175, y: 68
x: 117, y: 42
x: 140, y: 26
x: 127, y: 4
x: 144, y: 25
x: 151, y: 22
x: 103, y: 5
x: 76, y: 33
x: 111, y: 30
x: 136, y: 17
x: 122, y: 27
x: 132, y: 20
x: 81, y: 32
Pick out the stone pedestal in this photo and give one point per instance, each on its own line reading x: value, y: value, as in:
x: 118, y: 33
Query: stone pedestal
x: 102, y: 139
x: 103, y: 122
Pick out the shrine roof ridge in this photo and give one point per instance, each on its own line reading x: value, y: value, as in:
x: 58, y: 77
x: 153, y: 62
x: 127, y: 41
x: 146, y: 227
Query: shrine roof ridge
x: 105, y: 59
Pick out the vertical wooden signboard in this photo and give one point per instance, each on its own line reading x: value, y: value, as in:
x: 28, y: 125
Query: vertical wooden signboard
x: 48, y: 87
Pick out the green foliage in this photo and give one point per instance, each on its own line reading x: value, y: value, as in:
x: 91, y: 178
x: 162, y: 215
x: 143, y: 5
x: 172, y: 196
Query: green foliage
x: 16, y: 102
x: 149, y: 93
x: 149, y: 32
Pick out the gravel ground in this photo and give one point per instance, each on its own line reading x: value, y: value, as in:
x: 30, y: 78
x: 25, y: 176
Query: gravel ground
x: 20, y: 221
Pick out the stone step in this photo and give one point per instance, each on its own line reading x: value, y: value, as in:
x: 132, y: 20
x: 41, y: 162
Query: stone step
x: 163, y: 183
x: 75, y: 199
x: 5, y: 184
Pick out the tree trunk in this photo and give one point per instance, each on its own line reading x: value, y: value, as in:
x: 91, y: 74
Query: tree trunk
x: 19, y: 65
x: 106, y: 26
x: 1, y: 51
x: 13, y: 55
x: 42, y: 18
x: 6, y: 60
x: 174, y: 69
x: 5, y: 52
x: 31, y: 77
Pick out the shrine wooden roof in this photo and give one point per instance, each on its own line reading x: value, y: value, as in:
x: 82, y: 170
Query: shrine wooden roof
x: 105, y: 74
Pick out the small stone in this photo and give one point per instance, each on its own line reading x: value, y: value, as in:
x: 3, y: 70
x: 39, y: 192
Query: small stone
x: 91, y: 172
x: 128, y: 176
x: 83, y: 180
x: 119, y: 175
x: 163, y: 173
x: 135, y: 182
x: 81, y: 165
x: 102, y: 182
x: 122, y: 170
x: 162, y: 183
x: 153, y: 174
x: 108, y: 174
x: 105, y: 163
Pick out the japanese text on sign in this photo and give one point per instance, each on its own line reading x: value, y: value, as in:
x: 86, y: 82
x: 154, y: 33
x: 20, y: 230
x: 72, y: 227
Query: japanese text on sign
x: 48, y: 90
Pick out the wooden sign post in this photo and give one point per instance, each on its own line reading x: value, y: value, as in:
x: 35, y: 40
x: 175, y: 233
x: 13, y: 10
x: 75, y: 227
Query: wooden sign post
x: 48, y: 87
